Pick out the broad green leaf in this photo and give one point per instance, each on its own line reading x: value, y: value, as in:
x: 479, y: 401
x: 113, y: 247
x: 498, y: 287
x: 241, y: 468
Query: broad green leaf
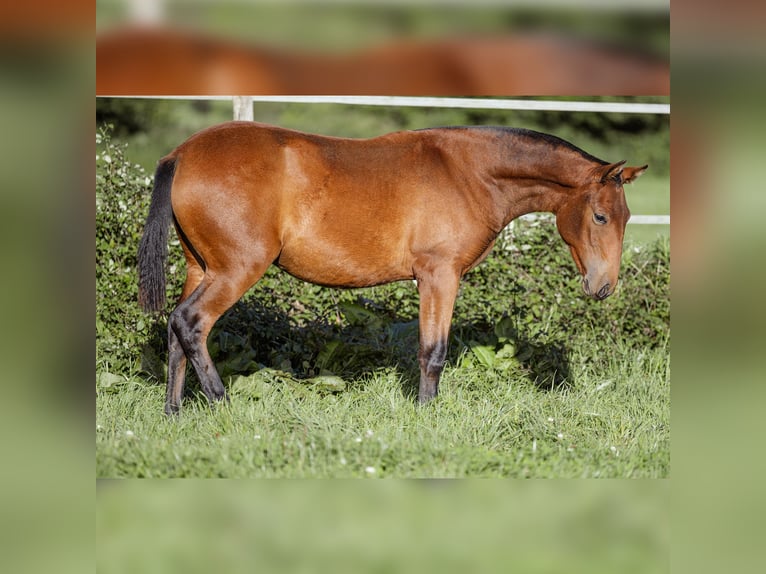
x: 252, y: 386
x: 327, y: 353
x: 485, y: 354
x: 505, y: 330
x: 328, y: 383
x: 507, y: 351
x: 108, y: 381
x: 356, y: 314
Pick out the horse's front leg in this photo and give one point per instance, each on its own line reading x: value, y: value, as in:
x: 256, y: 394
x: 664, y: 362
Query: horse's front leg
x: 438, y: 290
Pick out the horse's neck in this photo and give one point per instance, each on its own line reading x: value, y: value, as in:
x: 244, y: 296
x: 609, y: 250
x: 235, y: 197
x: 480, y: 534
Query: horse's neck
x: 519, y: 197
x: 535, y: 179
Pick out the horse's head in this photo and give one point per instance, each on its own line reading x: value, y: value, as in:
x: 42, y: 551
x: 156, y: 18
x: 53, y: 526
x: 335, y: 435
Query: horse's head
x: 593, y: 222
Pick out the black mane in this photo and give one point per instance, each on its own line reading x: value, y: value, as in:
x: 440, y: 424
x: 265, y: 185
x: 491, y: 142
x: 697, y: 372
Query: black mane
x: 551, y: 140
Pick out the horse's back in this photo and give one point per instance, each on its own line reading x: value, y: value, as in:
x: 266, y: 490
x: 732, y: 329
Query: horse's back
x: 335, y: 211
x: 364, y: 182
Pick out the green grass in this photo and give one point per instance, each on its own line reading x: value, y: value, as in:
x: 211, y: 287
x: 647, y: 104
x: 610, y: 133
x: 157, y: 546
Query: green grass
x: 610, y: 420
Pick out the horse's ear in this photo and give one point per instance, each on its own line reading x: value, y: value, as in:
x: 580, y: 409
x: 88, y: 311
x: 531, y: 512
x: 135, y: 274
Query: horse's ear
x: 604, y: 173
x: 631, y: 174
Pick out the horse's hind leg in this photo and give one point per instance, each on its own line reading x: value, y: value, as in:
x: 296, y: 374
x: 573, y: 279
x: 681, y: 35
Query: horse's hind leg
x: 176, y: 355
x: 193, y: 319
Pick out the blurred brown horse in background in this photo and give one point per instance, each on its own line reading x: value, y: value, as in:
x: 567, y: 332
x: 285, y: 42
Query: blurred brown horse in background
x: 164, y: 61
x: 424, y: 205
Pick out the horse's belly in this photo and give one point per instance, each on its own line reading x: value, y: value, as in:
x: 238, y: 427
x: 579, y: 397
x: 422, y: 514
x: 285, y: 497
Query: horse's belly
x: 349, y: 265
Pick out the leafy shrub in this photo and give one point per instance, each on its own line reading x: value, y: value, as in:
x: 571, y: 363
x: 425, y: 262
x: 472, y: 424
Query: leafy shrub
x: 522, y: 308
x: 123, y: 191
x: 532, y: 277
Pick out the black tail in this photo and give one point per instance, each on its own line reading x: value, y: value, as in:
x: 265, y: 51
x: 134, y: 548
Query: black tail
x: 153, y: 250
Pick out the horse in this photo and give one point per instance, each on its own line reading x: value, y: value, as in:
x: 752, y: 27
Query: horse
x: 424, y: 205
x: 170, y: 61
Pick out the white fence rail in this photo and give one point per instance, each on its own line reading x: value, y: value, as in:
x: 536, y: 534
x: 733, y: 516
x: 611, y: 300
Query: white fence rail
x: 433, y: 102
x: 634, y: 219
x: 475, y: 103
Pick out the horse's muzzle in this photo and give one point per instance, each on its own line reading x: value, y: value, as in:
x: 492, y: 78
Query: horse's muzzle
x: 601, y: 294
x: 604, y: 292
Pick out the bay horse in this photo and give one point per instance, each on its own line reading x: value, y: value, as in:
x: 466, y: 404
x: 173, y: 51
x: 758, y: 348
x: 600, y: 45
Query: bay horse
x: 171, y: 61
x: 426, y: 205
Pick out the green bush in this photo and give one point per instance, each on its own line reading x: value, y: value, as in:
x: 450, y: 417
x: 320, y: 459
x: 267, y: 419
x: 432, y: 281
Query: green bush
x: 522, y: 308
x: 123, y: 191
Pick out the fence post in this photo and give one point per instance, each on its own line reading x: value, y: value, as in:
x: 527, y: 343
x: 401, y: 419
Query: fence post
x: 146, y: 11
x: 243, y: 108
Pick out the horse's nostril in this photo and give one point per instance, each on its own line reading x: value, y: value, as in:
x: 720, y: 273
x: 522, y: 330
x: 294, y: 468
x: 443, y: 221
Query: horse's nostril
x: 603, y: 293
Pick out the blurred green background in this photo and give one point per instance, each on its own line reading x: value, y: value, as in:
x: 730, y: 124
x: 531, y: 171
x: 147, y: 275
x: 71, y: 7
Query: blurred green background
x: 534, y: 527
x: 330, y: 25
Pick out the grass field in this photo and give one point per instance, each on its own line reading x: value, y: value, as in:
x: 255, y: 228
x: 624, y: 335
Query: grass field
x: 611, y: 421
x: 550, y: 390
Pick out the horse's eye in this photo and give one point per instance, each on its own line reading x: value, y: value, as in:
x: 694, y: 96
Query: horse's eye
x: 600, y: 219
